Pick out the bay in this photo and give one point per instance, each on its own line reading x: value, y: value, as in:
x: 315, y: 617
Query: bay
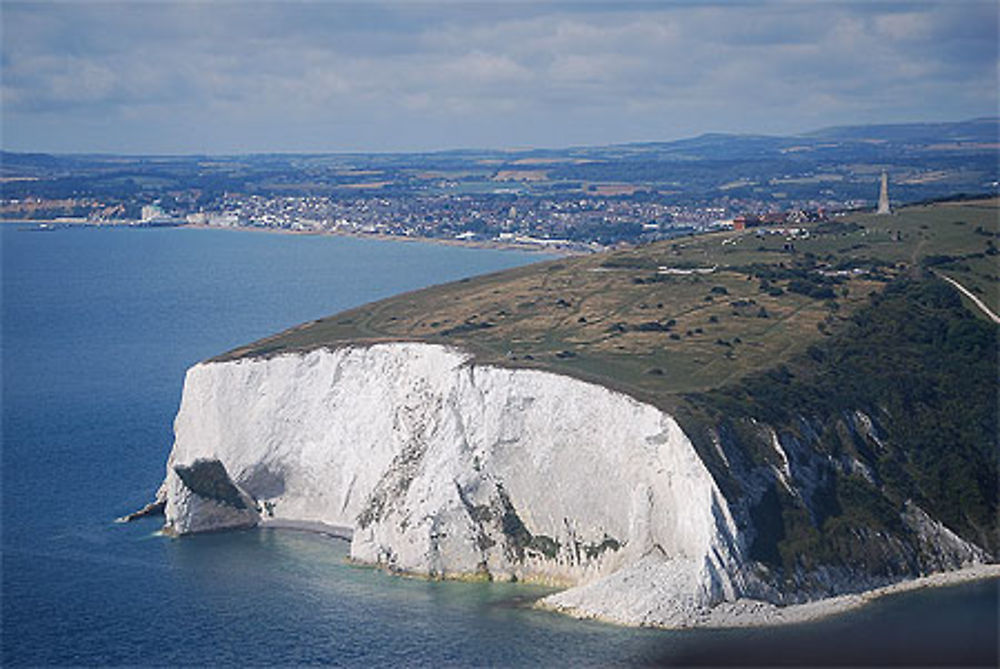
x: 98, y: 327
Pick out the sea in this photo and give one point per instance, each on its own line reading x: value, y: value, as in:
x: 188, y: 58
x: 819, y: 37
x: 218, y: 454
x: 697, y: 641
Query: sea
x: 98, y: 327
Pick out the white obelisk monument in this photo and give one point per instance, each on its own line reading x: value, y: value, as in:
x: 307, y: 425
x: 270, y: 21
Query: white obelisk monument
x: 883, y: 196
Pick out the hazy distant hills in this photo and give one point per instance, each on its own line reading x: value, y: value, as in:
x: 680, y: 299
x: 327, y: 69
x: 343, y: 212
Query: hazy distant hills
x: 984, y: 130
x: 973, y: 136
x: 972, y: 132
x: 829, y: 167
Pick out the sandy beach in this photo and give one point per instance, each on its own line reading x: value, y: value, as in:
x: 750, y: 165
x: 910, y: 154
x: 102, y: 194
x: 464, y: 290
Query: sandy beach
x: 445, y: 241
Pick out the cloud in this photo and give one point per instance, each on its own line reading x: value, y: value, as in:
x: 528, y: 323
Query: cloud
x: 326, y: 76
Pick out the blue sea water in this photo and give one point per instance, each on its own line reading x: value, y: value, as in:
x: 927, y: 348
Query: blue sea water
x: 98, y: 327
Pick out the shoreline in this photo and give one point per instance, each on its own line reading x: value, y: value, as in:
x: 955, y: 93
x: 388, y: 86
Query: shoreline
x: 311, y: 526
x: 443, y: 241
x: 379, y: 236
x: 752, y: 613
x: 768, y: 614
x: 738, y: 614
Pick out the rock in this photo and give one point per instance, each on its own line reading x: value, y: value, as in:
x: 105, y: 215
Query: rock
x: 154, y: 508
x: 438, y: 466
x: 201, y: 497
x: 446, y: 468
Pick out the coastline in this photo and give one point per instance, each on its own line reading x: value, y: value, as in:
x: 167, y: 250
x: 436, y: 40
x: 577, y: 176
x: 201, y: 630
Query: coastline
x: 736, y: 615
x: 744, y: 613
x: 740, y: 613
x: 444, y: 241
x: 312, y: 526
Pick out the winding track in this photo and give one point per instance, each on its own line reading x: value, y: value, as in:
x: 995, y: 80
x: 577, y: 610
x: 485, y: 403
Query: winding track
x: 975, y: 300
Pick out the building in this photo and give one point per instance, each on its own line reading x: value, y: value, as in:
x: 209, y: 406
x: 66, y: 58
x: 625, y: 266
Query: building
x: 151, y: 212
x: 745, y: 221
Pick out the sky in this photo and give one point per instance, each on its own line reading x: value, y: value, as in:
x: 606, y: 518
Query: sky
x: 248, y: 77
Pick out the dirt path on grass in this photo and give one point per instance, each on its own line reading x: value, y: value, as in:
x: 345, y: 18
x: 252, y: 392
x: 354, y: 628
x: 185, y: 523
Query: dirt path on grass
x: 975, y: 300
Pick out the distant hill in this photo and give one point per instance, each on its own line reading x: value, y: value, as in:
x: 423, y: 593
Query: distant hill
x: 984, y: 130
x: 831, y: 169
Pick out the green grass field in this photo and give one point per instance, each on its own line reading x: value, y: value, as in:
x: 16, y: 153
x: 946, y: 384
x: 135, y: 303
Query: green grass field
x: 679, y: 316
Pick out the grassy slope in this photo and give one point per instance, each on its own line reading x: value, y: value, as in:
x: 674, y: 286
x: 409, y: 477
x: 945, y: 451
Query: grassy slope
x: 614, y: 319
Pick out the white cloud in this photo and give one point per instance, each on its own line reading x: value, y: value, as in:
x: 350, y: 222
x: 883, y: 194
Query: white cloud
x: 482, y: 68
x: 904, y: 26
x: 550, y: 73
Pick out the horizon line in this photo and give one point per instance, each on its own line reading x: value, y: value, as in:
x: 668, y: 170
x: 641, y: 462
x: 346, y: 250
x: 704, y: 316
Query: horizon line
x: 485, y: 149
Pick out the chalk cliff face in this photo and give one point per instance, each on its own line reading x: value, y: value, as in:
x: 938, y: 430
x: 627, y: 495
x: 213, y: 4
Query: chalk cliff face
x: 450, y: 469
x: 446, y: 468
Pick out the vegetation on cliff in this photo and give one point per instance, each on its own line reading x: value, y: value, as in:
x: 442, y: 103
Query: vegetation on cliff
x: 903, y: 400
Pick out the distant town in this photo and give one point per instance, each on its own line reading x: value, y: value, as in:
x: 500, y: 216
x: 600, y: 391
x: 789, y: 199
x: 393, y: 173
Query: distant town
x: 582, y: 199
x: 584, y: 224
x: 578, y: 225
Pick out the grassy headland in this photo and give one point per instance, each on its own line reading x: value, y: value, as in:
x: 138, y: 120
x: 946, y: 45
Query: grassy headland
x: 833, y: 352
x: 680, y: 316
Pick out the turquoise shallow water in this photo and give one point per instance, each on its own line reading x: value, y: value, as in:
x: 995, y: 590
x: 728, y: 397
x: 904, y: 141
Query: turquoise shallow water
x: 98, y: 328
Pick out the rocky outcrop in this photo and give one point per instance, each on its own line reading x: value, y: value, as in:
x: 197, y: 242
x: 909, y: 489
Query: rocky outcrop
x: 450, y: 469
x: 201, y: 497
x: 446, y: 468
x: 154, y: 508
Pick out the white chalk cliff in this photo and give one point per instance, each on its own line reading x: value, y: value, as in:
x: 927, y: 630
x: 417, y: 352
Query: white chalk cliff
x: 447, y: 468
